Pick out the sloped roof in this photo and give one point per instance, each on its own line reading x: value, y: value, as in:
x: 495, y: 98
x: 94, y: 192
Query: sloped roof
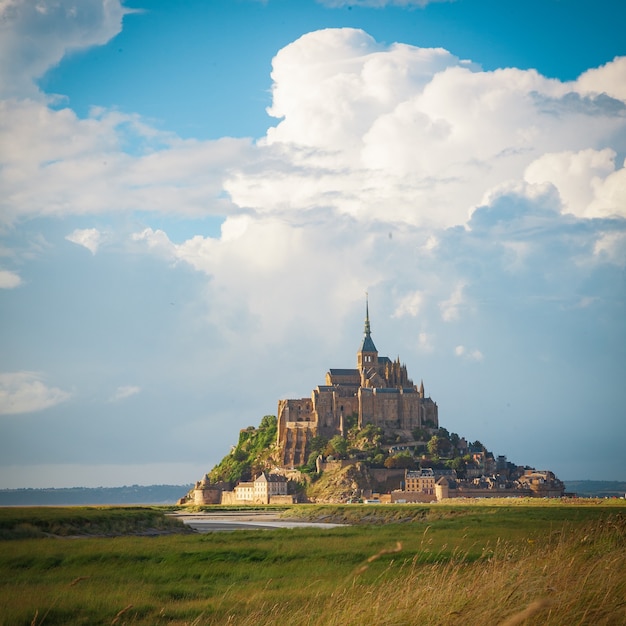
x: 368, y: 344
x: 270, y: 478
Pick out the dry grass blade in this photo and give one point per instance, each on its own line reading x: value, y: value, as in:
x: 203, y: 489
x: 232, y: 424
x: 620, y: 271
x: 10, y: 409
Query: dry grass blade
x: 116, y: 619
x: 375, y: 557
x: 532, y: 609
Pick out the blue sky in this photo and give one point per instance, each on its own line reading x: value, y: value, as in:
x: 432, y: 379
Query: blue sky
x: 195, y: 197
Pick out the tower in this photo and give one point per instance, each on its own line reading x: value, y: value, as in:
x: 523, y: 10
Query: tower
x: 367, y: 356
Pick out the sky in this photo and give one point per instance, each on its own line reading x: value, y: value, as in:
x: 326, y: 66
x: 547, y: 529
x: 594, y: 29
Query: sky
x: 196, y: 196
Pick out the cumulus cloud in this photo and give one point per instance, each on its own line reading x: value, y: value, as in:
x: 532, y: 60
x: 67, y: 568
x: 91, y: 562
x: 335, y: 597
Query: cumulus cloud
x: 451, y: 308
x: 410, y: 304
x: 9, y: 280
x: 26, y: 392
x: 587, y: 181
x: 35, y: 36
x: 425, y: 342
x: 89, y: 238
x: 476, y: 174
x: 608, y: 79
x: 63, y: 165
x: 258, y: 262
x: 471, y: 355
x: 391, y: 133
x: 123, y: 392
x: 612, y: 248
x: 419, y: 136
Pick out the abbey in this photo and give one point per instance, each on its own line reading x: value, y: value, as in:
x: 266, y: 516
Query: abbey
x: 377, y: 392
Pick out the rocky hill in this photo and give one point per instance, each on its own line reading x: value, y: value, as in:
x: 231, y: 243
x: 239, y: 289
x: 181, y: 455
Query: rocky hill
x: 339, y: 484
x: 349, y: 463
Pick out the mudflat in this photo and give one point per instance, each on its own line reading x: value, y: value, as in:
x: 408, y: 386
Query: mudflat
x: 212, y: 521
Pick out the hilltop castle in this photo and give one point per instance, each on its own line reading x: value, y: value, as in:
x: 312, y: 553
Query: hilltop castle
x: 377, y: 392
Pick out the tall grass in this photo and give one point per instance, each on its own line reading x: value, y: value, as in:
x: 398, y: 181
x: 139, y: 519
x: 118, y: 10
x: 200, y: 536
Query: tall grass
x: 517, y: 565
x: 574, y: 576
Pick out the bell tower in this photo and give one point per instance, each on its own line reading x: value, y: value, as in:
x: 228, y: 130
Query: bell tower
x: 367, y: 356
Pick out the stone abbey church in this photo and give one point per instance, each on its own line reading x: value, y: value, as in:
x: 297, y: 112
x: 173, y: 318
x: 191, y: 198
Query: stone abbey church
x: 378, y: 391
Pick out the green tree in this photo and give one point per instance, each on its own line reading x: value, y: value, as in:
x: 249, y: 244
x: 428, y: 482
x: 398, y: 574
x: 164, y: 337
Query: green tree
x: 369, y: 437
x: 402, y: 460
x: 443, y: 433
x: 337, y: 446
x: 318, y: 444
x: 435, y: 445
x: 378, y: 460
x: 419, y: 434
x: 251, y: 454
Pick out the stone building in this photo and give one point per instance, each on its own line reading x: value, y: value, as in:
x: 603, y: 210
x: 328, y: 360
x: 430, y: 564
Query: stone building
x: 378, y: 391
x: 542, y: 483
x: 422, y: 480
x: 267, y: 486
x: 264, y: 489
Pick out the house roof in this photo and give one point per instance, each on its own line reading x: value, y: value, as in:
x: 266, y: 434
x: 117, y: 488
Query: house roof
x: 270, y: 478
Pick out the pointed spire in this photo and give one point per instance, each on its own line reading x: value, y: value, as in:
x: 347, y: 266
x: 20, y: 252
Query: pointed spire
x: 367, y: 316
x: 368, y: 344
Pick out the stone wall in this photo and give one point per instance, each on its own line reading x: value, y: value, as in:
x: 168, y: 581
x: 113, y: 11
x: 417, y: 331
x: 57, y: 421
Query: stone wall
x: 387, y: 479
x: 288, y: 499
x: 207, y: 496
x: 411, y: 496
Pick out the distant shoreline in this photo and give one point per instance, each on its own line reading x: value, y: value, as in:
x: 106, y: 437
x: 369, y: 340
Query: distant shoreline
x: 68, y: 496
x: 170, y: 494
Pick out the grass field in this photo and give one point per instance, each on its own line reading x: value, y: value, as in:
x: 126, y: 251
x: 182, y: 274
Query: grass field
x: 540, y: 562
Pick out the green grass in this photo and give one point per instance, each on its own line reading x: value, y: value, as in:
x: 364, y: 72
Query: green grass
x: 439, y: 564
x: 79, y: 521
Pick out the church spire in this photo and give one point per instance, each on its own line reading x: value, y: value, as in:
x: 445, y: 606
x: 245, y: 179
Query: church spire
x: 367, y: 355
x: 367, y: 316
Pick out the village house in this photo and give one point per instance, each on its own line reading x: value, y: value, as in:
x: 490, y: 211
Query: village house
x: 267, y: 486
x: 422, y: 481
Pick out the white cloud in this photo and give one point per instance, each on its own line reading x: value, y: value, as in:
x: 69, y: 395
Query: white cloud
x: 413, y: 135
x: 9, y: 280
x: 470, y: 355
x: 35, y: 36
x: 425, y: 342
x: 61, y: 165
x: 586, y: 181
x: 257, y: 261
x: 608, y: 79
x: 123, y: 392
x: 89, y: 238
x: 410, y: 305
x: 611, y: 247
x: 501, y: 185
x: 393, y: 139
x: 25, y: 392
x: 397, y: 134
x: 451, y: 308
